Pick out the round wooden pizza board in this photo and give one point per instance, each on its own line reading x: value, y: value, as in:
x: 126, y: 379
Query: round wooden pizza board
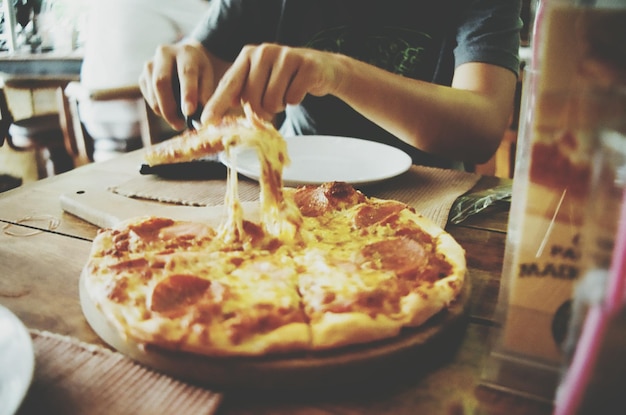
x: 400, y: 359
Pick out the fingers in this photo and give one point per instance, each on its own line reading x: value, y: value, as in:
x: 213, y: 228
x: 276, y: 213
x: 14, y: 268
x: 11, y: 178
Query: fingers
x: 286, y: 68
x: 273, y: 68
x: 261, y: 76
x: 168, y: 83
x: 194, y: 74
x: 268, y: 77
x: 297, y: 89
x: 263, y: 65
x: 228, y: 92
x: 176, y: 81
x: 145, y: 80
x: 158, y: 84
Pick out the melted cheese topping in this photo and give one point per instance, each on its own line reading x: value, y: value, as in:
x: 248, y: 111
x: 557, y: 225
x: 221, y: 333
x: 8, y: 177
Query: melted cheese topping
x: 280, y: 217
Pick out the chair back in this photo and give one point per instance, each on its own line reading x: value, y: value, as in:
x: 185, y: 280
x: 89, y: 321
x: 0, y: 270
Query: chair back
x: 79, y: 141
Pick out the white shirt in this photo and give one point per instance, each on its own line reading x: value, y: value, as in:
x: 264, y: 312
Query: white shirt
x: 121, y: 35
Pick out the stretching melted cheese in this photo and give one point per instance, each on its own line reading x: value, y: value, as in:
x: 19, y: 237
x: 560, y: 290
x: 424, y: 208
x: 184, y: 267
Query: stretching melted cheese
x: 280, y: 217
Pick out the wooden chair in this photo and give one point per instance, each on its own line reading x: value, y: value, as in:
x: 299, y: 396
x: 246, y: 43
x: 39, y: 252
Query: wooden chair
x: 77, y: 138
x: 39, y: 132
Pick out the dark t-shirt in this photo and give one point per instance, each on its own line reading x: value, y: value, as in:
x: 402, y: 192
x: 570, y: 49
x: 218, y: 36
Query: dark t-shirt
x: 418, y: 39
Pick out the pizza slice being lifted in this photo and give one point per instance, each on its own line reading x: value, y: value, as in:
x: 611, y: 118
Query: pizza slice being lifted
x: 279, y: 216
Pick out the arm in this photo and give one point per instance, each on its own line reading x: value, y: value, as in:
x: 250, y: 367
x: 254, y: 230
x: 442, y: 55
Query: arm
x: 463, y: 122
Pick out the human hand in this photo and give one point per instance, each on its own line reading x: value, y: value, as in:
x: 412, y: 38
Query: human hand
x: 176, y: 80
x: 269, y: 77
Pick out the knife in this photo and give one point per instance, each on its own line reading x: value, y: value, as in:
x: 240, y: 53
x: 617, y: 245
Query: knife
x: 193, y: 118
x: 201, y: 169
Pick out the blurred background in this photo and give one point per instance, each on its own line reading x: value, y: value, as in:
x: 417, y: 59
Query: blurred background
x: 42, y: 25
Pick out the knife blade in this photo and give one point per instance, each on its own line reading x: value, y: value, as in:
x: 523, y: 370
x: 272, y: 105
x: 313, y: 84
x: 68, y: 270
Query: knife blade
x: 201, y: 169
x: 193, y: 118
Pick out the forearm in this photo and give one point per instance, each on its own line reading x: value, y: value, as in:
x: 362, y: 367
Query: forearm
x: 461, y: 124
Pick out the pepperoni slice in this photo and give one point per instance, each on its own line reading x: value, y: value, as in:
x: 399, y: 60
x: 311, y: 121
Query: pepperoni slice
x: 342, y: 195
x: 317, y: 200
x: 404, y: 256
x: 186, y: 230
x: 177, y: 292
x: 378, y: 213
x: 137, y: 263
x: 253, y: 231
x: 118, y: 291
x: 149, y: 229
x: 311, y: 201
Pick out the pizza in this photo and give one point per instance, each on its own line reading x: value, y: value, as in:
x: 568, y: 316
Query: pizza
x: 193, y: 144
x: 315, y: 268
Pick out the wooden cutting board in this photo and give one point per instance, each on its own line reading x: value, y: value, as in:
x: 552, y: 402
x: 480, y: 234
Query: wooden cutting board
x: 105, y: 209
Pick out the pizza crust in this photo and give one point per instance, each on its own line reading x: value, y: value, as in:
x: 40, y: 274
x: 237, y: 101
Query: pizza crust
x: 213, y: 341
x: 420, y: 307
x: 332, y: 330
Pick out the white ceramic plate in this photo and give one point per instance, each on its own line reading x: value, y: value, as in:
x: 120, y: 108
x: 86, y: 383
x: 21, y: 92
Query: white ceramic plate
x: 318, y: 159
x: 17, y: 362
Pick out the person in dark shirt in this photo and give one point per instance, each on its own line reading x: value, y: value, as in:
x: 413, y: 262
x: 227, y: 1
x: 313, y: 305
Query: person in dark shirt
x: 433, y: 78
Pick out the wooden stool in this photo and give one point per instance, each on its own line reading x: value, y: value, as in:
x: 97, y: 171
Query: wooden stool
x: 41, y: 133
x: 76, y: 136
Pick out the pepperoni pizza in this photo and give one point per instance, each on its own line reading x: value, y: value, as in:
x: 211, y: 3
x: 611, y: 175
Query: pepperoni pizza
x: 322, y: 267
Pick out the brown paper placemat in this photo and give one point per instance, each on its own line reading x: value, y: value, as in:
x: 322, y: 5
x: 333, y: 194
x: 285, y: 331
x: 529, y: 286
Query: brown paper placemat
x: 431, y: 191
x: 72, y: 377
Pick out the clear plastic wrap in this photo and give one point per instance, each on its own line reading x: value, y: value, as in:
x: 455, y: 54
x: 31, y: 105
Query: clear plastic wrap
x: 473, y: 203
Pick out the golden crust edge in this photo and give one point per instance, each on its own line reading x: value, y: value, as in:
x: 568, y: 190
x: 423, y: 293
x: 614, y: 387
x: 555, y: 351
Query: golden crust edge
x: 291, y: 337
x: 333, y: 330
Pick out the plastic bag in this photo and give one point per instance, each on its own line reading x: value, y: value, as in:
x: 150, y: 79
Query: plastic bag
x: 470, y: 204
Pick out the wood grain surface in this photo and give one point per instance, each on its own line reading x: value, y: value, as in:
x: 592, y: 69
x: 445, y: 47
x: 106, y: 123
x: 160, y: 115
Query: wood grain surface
x: 39, y: 277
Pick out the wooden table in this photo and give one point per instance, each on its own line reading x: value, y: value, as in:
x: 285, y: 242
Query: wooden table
x: 50, y: 64
x: 39, y: 275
